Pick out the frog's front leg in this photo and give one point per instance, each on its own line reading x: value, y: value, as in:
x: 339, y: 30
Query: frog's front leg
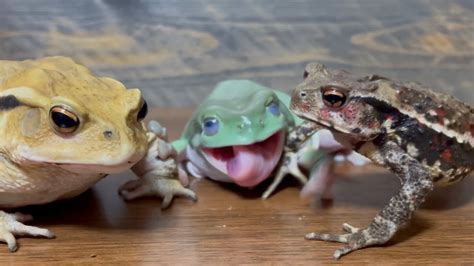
x: 417, y: 183
x: 289, y: 161
x: 288, y: 165
x: 321, y: 178
x: 12, y: 224
x: 158, y: 172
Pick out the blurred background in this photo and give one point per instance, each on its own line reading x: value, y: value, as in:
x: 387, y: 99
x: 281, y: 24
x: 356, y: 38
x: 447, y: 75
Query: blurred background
x: 176, y: 51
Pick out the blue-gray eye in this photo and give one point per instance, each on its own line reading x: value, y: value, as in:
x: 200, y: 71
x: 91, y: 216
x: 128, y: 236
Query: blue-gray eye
x: 274, y: 108
x: 210, y: 126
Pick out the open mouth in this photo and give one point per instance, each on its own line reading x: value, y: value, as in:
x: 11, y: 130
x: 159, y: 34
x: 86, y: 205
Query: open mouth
x: 248, y: 165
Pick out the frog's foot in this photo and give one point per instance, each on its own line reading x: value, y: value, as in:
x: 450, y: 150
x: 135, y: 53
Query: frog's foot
x: 12, y: 224
x: 355, y: 239
x: 290, y: 166
x: 152, y: 185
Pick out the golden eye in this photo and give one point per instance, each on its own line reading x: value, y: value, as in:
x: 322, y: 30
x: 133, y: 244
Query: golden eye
x: 143, y: 111
x: 63, y: 120
x: 334, y: 97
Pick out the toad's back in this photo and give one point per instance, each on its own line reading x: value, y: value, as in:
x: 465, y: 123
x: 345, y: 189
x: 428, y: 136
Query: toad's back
x: 441, y: 112
x: 434, y: 128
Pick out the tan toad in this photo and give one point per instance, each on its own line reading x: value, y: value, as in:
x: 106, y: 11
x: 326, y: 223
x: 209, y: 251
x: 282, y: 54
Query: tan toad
x: 61, y: 130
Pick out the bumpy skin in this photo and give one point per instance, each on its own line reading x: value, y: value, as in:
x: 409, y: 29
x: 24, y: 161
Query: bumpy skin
x: 41, y: 161
x: 426, y: 138
x: 247, y: 140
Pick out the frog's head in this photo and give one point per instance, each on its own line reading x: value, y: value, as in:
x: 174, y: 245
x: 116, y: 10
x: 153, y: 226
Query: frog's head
x: 338, y: 101
x: 56, y: 112
x: 240, y: 130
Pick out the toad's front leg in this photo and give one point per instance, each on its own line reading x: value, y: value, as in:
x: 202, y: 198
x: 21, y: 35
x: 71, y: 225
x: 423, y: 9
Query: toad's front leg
x: 158, y: 172
x: 417, y: 183
x: 12, y: 224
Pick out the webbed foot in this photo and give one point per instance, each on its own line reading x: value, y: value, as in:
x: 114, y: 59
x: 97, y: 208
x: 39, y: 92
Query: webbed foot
x: 290, y: 166
x: 12, y: 224
x: 158, y: 172
x: 355, y: 238
x: 150, y: 185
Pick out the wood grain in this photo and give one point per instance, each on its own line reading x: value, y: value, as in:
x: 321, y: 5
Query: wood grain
x: 230, y: 225
x: 176, y: 51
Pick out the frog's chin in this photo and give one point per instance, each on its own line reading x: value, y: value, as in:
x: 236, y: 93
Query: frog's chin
x: 248, y: 165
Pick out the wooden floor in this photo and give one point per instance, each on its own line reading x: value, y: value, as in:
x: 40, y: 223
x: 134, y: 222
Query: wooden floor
x: 233, y: 226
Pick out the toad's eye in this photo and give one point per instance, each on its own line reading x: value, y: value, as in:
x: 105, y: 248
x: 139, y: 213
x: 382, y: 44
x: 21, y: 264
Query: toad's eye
x: 274, y: 108
x: 210, y: 126
x: 63, y: 120
x: 143, y: 111
x: 305, y: 74
x: 334, y: 97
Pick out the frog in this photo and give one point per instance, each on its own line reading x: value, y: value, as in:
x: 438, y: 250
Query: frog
x: 422, y: 136
x: 62, y: 129
x: 239, y: 133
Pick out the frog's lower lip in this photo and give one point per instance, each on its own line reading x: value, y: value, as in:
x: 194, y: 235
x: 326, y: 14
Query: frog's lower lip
x: 96, y: 168
x: 89, y: 168
x: 248, y: 165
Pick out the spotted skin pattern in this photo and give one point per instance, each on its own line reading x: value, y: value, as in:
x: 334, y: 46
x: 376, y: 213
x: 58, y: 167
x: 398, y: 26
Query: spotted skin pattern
x: 425, y: 138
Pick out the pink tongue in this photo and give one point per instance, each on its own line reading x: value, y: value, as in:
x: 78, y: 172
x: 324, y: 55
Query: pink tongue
x: 249, y: 166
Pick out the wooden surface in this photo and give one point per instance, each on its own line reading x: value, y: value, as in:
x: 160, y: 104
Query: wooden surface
x: 176, y: 51
x: 229, y: 225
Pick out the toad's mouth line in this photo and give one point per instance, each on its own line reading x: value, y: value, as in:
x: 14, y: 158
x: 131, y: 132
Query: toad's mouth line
x: 248, y: 165
x: 92, y: 168
x: 96, y: 168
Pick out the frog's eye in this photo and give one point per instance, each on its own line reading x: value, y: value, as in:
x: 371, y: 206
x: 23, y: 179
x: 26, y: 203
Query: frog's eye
x: 143, y: 111
x: 274, y: 108
x: 63, y: 120
x: 210, y: 126
x: 334, y: 97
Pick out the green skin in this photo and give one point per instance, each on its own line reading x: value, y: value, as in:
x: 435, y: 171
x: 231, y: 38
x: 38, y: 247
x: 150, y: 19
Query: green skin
x: 247, y: 113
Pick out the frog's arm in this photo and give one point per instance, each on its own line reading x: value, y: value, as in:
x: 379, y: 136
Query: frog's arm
x: 295, y: 141
x: 180, y: 145
x: 321, y: 174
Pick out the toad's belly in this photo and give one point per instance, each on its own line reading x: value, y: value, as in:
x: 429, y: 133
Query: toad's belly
x: 39, y: 185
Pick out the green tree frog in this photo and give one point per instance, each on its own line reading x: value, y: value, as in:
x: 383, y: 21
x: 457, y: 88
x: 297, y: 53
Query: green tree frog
x: 239, y: 135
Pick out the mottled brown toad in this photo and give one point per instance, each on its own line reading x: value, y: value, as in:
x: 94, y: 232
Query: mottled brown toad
x: 424, y: 137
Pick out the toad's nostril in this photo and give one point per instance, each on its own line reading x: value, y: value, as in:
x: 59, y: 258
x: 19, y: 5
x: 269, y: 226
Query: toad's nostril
x: 108, y: 134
